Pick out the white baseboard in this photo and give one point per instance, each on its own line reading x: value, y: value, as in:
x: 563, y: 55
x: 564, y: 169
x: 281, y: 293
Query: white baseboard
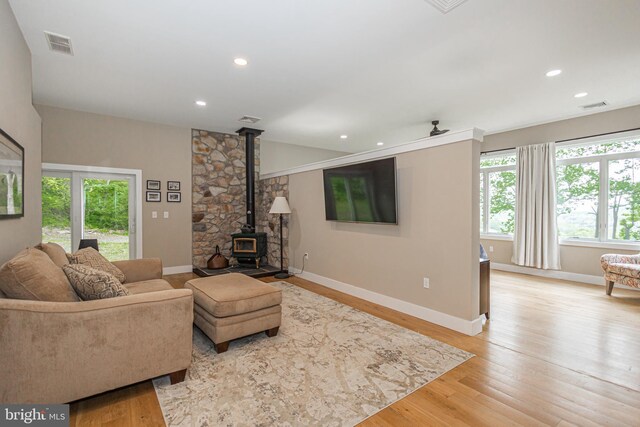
x: 468, y: 327
x: 177, y: 269
x: 554, y: 274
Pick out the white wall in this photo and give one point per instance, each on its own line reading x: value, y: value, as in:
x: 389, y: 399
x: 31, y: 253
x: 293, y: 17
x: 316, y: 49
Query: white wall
x: 436, y: 235
x: 277, y: 156
x: 574, y: 259
x: 20, y: 120
x: 162, y: 153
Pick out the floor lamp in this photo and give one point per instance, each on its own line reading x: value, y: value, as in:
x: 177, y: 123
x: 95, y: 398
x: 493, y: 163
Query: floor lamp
x: 281, y: 207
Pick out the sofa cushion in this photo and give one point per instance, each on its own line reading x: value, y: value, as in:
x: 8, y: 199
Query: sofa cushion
x: 232, y: 294
x: 91, y: 283
x: 32, y: 275
x: 56, y: 252
x: 93, y: 258
x: 145, y: 286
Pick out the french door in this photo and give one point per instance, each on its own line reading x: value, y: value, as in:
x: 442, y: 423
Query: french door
x: 92, y: 203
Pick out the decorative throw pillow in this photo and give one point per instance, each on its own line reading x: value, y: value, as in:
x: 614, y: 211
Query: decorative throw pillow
x: 56, y: 252
x: 92, y: 258
x: 91, y: 283
x: 32, y: 275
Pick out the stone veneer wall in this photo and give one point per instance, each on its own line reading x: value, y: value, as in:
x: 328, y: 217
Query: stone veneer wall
x: 269, y: 189
x: 218, y: 185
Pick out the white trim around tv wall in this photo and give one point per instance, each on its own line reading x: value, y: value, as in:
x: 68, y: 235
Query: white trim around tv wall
x: 468, y: 327
x: 419, y: 144
x: 177, y: 269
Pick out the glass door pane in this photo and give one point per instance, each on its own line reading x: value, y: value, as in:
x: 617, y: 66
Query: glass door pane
x: 56, y: 211
x: 106, y: 215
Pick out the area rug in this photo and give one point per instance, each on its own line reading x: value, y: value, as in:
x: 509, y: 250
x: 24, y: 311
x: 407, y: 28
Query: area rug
x: 329, y: 365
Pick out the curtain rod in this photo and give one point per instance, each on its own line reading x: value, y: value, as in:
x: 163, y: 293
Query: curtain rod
x: 565, y: 140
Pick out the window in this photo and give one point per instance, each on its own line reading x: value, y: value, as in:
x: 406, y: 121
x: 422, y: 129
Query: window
x: 498, y: 193
x: 598, y: 184
x: 598, y: 190
x: 578, y: 194
x: 92, y: 203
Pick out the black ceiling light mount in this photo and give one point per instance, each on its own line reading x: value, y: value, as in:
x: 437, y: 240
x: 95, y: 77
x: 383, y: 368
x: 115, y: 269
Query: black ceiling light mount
x: 437, y: 131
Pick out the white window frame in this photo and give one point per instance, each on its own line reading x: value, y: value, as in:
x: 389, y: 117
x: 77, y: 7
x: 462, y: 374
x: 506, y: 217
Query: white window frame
x: 77, y: 173
x: 603, y: 196
x: 603, y: 199
x: 485, y: 171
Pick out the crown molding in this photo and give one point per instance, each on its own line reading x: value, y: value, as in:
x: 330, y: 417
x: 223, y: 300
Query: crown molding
x: 473, y: 134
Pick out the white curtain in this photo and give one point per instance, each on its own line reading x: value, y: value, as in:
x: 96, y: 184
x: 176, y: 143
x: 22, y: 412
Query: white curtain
x: 535, y: 241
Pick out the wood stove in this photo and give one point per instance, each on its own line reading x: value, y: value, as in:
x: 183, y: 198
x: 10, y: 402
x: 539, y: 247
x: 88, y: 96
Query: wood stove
x: 249, y: 247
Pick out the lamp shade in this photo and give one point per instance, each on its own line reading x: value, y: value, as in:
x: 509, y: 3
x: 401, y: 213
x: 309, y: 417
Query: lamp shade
x: 280, y: 206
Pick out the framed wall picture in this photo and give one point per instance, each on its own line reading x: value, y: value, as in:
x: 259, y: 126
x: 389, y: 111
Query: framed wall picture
x: 174, y: 197
x: 11, y: 177
x: 153, y: 185
x: 154, y: 196
x: 173, y: 185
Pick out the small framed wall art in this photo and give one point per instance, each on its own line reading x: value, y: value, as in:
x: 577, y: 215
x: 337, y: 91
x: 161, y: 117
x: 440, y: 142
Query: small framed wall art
x: 154, y: 196
x: 174, y: 197
x: 153, y: 185
x: 173, y: 185
x: 11, y: 177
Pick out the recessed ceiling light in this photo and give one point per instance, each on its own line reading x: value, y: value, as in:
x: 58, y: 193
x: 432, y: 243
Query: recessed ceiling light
x: 200, y: 103
x: 553, y: 73
x: 343, y: 136
x: 380, y: 143
x: 240, y: 61
x: 580, y: 95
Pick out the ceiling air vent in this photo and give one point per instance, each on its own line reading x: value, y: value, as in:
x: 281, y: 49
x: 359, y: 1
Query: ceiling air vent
x: 59, y: 43
x: 596, y: 105
x: 445, y: 6
x: 249, y: 119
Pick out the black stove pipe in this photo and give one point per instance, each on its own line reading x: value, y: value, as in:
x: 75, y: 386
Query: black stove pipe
x: 249, y: 136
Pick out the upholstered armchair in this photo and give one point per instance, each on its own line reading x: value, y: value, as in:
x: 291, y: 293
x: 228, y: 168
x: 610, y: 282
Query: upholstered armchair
x: 621, y: 269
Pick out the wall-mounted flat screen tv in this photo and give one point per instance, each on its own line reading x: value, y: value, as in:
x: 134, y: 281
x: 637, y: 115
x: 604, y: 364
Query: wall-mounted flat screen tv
x: 363, y: 192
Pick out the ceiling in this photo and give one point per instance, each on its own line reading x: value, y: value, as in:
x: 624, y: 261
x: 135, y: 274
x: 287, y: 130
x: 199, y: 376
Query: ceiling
x: 376, y: 70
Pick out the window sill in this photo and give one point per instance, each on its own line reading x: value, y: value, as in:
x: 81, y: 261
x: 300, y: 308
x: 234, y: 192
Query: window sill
x: 603, y: 245
x: 496, y: 237
x: 575, y: 242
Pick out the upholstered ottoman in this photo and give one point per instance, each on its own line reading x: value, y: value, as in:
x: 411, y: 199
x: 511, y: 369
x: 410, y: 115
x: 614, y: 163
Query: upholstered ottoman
x: 233, y: 306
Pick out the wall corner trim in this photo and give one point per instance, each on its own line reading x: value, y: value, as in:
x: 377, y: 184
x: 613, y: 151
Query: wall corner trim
x: 467, y: 327
x: 177, y: 269
x: 473, y: 134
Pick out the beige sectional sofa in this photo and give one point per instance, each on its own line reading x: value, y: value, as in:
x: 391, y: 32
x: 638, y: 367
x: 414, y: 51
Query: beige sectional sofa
x: 55, y: 352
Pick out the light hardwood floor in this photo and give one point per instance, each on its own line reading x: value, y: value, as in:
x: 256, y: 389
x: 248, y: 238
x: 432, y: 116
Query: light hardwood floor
x: 553, y: 353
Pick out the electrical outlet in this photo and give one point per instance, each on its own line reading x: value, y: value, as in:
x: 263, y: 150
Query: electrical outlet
x: 490, y: 248
x: 306, y: 255
x: 166, y: 214
x: 154, y: 214
x: 425, y: 283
